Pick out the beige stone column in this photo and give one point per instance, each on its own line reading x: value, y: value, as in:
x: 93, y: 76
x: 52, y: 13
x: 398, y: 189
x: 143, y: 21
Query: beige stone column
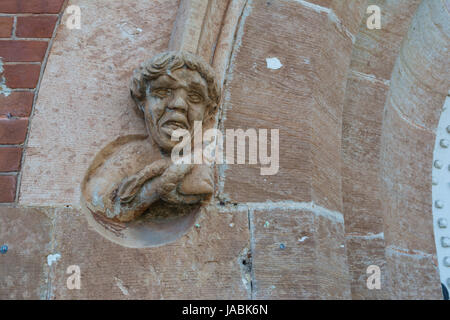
x: 296, y: 220
x: 84, y: 104
x: 419, y: 85
x: 373, y: 58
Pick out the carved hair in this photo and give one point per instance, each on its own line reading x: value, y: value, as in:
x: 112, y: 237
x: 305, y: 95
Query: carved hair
x: 166, y: 62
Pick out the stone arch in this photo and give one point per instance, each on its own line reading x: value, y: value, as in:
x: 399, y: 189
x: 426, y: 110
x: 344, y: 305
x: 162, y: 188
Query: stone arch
x: 390, y: 112
x: 419, y: 85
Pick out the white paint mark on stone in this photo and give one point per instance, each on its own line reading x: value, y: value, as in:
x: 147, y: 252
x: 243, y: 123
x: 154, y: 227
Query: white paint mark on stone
x: 120, y: 285
x: 313, y: 6
x: 303, y: 239
x: 293, y: 205
x: 370, y: 77
x: 369, y: 236
x: 52, y: 258
x: 96, y: 199
x: 273, y: 63
x: 3, y: 88
x: 331, y: 15
x: 129, y: 30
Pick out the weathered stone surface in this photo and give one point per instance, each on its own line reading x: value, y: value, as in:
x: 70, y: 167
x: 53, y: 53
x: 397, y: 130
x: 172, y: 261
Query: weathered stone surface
x: 362, y: 252
x: 23, y: 272
x: 375, y: 51
x: 85, y: 88
x: 418, y: 89
x: 406, y: 183
x: 349, y: 12
x: 303, y: 99
x: 131, y: 174
x: 413, y: 275
x: 203, y: 264
x: 361, y: 137
x: 386, y: 169
x: 313, y: 263
x: 421, y: 77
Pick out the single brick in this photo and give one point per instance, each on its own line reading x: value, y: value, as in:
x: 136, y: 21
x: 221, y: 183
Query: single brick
x: 30, y: 6
x: 6, y: 24
x: 17, y: 104
x: 23, y: 76
x: 35, y: 26
x: 10, y: 159
x: 7, y: 188
x: 13, y: 131
x: 22, y: 50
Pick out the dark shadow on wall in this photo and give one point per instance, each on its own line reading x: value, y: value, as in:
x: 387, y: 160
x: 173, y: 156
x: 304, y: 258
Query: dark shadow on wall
x: 445, y: 292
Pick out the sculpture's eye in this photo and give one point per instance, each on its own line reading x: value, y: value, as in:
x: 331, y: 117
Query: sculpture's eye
x: 195, y: 97
x: 162, y: 92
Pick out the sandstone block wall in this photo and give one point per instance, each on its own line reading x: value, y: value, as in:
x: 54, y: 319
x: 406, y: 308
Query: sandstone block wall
x: 26, y: 31
x: 356, y: 111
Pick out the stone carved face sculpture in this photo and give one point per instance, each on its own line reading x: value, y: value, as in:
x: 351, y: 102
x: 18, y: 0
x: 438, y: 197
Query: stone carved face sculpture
x: 133, y: 178
x: 174, y: 90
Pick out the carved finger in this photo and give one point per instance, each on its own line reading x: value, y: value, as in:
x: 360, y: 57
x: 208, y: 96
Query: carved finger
x: 131, y: 185
x: 128, y: 189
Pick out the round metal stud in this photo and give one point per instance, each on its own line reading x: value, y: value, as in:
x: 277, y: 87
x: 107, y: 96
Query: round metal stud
x: 447, y: 261
x: 442, y: 223
x: 445, y: 242
x: 444, y: 143
x: 448, y: 129
x: 434, y: 181
x: 438, y: 164
x: 439, y: 204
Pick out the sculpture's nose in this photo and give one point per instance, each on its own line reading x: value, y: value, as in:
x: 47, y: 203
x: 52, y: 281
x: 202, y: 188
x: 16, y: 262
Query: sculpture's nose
x: 178, y: 103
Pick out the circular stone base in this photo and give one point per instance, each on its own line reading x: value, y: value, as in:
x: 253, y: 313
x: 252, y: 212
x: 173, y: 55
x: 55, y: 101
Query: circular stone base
x: 162, y: 224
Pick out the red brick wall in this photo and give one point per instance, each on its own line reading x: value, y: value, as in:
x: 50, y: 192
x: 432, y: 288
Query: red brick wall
x: 26, y: 30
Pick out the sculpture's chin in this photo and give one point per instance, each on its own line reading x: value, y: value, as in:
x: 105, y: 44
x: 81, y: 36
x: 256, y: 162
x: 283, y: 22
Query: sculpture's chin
x: 162, y: 139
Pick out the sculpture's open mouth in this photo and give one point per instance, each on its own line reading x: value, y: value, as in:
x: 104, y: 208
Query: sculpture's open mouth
x: 173, y: 123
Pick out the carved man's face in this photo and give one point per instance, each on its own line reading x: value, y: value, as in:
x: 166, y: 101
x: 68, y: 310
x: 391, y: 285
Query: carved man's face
x: 175, y: 101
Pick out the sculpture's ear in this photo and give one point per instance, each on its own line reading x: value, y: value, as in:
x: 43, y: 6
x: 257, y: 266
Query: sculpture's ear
x: 138, y: 87
x: 211, y: 111
x: 139, y: 104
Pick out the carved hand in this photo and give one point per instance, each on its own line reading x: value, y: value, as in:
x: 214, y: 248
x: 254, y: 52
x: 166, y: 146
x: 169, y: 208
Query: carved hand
x: 130, y: 186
